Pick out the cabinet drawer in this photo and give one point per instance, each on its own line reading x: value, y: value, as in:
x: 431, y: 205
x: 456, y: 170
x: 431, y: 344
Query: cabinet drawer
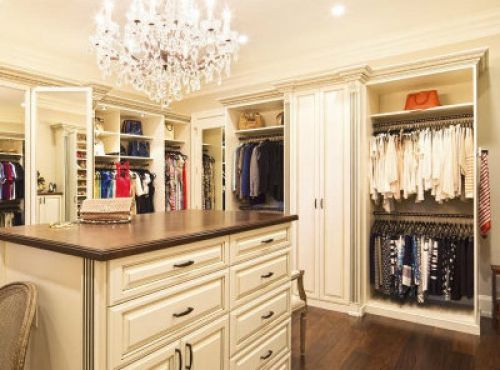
x: 251, y: 321
x: 162, y: 359
x: 254, y: 243
x: 282, y: 364
x: 135, y: 325
x: 251, y: 279
x: 264, y: 353
x: 133, y: 276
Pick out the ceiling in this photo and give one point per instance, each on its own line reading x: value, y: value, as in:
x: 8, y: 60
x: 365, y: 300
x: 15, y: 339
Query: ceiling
x: 286, y: 36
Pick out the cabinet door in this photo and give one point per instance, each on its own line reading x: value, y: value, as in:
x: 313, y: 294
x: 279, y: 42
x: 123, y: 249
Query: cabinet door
x: 51, y: 209
x: 306, y: 192
x: 207, y: 348
x: 335, y: 201
x: 166, y: 358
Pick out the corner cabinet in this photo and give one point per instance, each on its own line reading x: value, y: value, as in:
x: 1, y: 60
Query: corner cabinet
x: 321, y: 195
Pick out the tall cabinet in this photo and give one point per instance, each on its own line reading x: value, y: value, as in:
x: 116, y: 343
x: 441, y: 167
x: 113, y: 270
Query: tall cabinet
x: 320, y: 170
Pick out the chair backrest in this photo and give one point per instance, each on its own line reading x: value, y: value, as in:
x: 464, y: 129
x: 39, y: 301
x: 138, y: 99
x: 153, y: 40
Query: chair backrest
x: 17, y: 310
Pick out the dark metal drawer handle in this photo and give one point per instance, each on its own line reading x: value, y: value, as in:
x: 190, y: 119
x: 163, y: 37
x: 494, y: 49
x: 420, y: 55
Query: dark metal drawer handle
x: 267, y: 355
x: 267, y: 241
x: 184, y: 264
x: 267, y: 276
x: 190, y: 347
x: 268, y: 316
x: 184, y: 313
x: 178, y: 351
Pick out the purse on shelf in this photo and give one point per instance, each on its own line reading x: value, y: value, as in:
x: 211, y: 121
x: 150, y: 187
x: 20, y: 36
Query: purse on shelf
x: 98, y: 124
x: 169, y: 132
x: 131, y: 127
x: 280, y: 119
x: 106, y: 211
x: 138, y: 149
x: 99, y: 147
x: 250, y: 120
x: 422, y: 100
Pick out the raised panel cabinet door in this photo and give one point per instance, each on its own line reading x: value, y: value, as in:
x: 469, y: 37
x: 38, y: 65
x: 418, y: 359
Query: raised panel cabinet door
x: 335, y: 203
x: 49, y: 209
x: 207, y: 348
x: 306, y: 156
x: 166, y: 358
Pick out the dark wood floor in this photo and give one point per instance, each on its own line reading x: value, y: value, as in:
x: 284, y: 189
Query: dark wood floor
x: 337, y: 341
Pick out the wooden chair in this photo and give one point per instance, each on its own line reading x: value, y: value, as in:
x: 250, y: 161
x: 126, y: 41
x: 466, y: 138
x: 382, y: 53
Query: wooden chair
x: 17, y: 310
x: 495, y: 308
x: 299, y: 304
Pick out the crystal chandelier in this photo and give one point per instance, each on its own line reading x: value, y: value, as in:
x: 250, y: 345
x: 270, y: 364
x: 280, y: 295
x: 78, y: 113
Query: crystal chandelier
x: 166, y: 47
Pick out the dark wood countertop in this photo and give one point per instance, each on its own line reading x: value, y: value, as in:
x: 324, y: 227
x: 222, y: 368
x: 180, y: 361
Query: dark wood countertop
x: 145, y: 233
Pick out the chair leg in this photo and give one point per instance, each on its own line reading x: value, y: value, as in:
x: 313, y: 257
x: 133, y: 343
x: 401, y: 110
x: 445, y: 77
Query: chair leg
x: 303, y: 333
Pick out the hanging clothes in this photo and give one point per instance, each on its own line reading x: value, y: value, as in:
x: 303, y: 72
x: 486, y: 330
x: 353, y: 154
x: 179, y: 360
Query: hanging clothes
x: 208, y: 188
x: 258, y: 173
x: 484, y: 196
x: 416, y: 260
x: 176, y: 188
x: 436, y: 161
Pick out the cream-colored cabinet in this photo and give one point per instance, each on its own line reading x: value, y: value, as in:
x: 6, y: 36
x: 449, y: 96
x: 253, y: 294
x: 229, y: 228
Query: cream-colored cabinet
x: 49, y: 209
x: 322, y: 199
x: 208, y: 347
x: 166, y: 358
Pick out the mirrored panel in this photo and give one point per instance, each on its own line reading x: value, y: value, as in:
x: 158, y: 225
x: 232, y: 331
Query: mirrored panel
x: 60, y: 126
x: 12, y: 156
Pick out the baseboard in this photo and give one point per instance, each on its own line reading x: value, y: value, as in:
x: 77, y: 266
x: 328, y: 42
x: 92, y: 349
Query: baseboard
x: 485, y: 305
x: 350, y: 309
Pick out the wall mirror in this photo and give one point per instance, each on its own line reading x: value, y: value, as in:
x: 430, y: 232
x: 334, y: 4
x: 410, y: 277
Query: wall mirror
x: 62, y: 161
x: 13, y: 184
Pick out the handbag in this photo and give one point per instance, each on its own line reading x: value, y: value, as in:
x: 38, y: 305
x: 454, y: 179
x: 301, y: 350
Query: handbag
x: 106, y: 211
x: 99, y: 147
x: 422, y: 100
x: 131, y: 127
x: 169, y: 132
x: 280, y: 119
x: 138, y: 149
x: 250, y: 120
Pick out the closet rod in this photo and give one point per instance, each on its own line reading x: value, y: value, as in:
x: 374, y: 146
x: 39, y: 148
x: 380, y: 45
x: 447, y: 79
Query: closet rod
x: 464, y: 119
x: 261, y: 138
x: 423, y: 214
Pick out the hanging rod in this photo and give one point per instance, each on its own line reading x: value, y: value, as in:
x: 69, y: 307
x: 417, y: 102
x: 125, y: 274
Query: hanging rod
x: 261, y: 138
x: 423, y: 214
x: 461, y: 119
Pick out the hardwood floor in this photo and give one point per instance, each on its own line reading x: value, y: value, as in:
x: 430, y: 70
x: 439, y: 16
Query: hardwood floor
x: 338, y: 341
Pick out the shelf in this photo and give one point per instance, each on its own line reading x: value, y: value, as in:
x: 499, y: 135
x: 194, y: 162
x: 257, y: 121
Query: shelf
x: 107, y: 157
x: 422, y: 113
x: 10, y: 154
x: 267, y: 130
x: 135, y: 137
x: 106, y: 133
x: 128, y: 157
x: 175, y: 142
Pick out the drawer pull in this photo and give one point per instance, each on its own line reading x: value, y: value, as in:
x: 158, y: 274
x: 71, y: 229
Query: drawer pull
x: 184, y: 313
x: 184, y: 264
x: 178, y: 351
x: 267, y: 355
x: 267, y: 241
x: 267, y: 276
x: 190, y: 347
x: 268, y: 316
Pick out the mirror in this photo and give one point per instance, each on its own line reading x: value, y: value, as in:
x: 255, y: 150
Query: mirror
x: 12, y: 156
x: 61, y: 121
x: 213, y: 169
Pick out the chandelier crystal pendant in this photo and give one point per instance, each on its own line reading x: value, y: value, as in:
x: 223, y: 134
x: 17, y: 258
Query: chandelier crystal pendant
x: 166, y: 48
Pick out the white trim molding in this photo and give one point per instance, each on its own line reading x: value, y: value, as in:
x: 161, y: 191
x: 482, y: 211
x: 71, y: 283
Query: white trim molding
x: 485, y: 305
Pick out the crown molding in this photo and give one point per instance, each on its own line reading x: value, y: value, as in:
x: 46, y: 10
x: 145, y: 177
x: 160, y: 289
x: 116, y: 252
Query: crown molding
x: 248, y: 98
x: 467, y: 58
x: 31, y: 79
x: 360, y: 73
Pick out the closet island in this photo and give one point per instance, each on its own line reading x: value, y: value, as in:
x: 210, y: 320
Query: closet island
x: 201, y: 290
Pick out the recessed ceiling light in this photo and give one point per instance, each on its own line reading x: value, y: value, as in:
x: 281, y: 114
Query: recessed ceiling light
x: 338, y: 10
x: 243, y: 39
